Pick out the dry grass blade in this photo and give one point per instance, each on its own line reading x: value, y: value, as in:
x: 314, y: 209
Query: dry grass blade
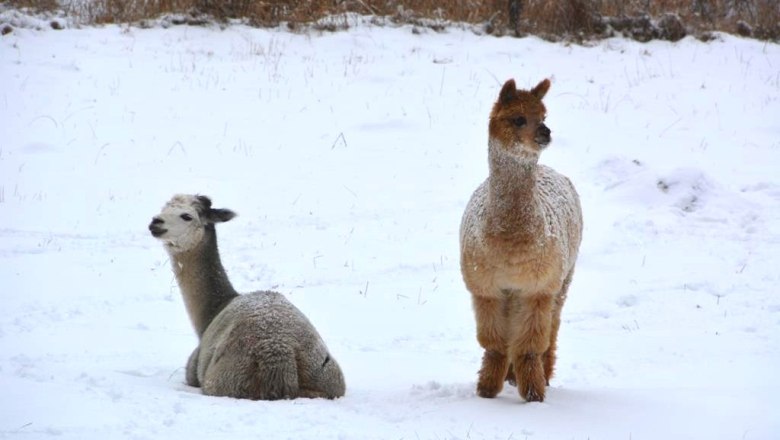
x: 552, y: 19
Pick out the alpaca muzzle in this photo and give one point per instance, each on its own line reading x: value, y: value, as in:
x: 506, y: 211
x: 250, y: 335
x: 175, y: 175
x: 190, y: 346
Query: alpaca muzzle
x: 543, y: 137
x: 156, y: 228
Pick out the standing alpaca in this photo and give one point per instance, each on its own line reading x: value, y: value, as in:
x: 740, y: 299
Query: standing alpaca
x: 255, y: 346
x: 519, y: 239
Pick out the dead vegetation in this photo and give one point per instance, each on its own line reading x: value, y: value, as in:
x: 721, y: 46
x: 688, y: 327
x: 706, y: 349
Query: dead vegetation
x: 570, y: 20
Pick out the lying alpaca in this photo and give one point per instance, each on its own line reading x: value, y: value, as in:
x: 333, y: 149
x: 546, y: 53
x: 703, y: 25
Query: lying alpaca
x: 255, y: 346
x: 519, y: 239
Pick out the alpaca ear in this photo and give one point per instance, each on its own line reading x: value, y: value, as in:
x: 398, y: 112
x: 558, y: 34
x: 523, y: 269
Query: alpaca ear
x: 508, y: 92
x: 204, y: 201
x: 219, y: 215
x: 541, y: 89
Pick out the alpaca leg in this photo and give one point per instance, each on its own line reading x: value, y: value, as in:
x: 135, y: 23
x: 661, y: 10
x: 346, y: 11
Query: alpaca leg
x: 192, y: 368
x: 276, y: 374
x: 532, y: 325
x: 265, y: 371
x: 491, y: 323
x: 492, y: 374
x: 550, y: 356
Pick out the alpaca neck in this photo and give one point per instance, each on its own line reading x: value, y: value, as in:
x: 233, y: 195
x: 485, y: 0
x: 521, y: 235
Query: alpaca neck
x: 511, y: 198
x: 203, y: 281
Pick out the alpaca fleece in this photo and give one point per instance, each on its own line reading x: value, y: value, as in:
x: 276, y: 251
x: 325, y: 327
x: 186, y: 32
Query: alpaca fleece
x: 519, y: 239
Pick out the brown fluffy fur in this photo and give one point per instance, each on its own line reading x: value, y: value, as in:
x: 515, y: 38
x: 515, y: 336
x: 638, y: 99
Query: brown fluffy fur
x: 520, y: 237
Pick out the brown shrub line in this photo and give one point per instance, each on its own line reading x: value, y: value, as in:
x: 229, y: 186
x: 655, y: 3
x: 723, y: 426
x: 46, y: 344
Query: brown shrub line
x: 569, y: 20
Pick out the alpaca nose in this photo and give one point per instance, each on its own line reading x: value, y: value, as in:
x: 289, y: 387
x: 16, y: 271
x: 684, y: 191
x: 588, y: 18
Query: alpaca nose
x: 544, y: 130
x: 156, y: 228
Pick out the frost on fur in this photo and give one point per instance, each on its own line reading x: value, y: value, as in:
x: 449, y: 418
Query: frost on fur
x: 255, y: 346
x: 519, y: 240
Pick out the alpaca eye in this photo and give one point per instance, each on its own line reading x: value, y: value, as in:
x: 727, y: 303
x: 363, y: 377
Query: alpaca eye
x: 519, y: 121
x: 186, y: 217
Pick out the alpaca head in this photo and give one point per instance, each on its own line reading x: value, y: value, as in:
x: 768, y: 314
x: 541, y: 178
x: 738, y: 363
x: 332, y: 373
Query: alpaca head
x: 184, y: 220
x: 517, y: 120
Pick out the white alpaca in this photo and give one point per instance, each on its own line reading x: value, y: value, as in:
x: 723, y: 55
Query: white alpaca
x: 255, y: 346
x: 519, y: 239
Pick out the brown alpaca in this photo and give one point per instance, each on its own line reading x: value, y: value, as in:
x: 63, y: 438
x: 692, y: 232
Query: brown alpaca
x: 519, y: 239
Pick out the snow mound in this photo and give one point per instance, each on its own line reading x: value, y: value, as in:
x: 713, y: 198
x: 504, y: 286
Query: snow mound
x: 11, y: 19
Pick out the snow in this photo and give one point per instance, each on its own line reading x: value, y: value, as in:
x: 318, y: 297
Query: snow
x: 349, y: 158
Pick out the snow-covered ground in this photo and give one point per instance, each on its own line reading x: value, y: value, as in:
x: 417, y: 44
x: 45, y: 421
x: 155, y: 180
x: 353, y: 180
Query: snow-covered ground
x: 349, y: 158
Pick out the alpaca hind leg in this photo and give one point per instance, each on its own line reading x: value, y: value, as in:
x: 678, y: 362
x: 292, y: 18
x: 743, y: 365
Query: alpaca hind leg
x: 277, y: 373
x: 550, y: 355
x: 491, y: 326
x: 265, y: 373
x: 531, y: 330
x: 192, y: 368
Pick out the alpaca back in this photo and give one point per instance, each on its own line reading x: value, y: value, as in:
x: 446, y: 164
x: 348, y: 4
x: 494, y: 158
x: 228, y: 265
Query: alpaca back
x: 260, y: 346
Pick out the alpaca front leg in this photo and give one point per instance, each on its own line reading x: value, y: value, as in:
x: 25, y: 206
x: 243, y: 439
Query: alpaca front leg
x: 492, y: 374
x: 529, y: 372
x: 491, y: 325
x: 532, y: 325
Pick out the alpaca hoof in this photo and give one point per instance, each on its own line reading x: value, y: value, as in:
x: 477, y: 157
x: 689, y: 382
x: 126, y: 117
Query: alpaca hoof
x: 487, y: 392
x: 533, y: 395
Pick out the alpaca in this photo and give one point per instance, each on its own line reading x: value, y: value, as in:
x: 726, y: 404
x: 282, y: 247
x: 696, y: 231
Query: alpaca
x: 255, y: 346
x: 519, y: 239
